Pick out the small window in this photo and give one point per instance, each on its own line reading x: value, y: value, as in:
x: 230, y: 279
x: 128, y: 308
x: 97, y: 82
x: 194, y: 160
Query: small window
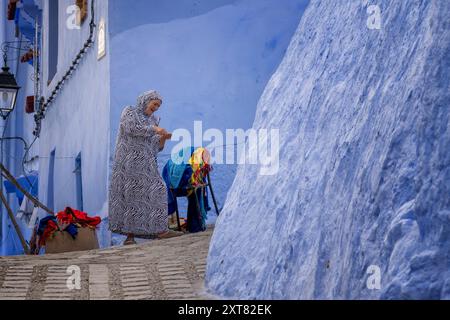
x: 51, y: 182
x: 79, y: 182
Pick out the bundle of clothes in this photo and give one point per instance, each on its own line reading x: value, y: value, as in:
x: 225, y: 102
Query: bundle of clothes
x: 184, y: 175
x: 68, y: 220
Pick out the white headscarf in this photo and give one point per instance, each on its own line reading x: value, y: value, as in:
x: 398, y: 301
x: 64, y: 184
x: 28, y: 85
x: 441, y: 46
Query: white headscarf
x: 142, y: 103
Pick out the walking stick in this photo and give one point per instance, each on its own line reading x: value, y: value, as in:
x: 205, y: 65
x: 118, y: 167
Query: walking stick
x: 176, y: 209
x: 212, y: 194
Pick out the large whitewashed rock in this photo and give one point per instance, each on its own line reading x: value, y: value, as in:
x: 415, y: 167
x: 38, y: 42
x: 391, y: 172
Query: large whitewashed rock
x: 364, y: 174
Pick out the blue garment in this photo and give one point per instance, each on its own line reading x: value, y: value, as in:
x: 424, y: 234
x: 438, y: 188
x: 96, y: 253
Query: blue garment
x: 25, y: 184
x: 182, y: 185
x: 25, y: 18
x: 177, y: 176
x: 43, y: 224
x: 71, y: 229
x: 196, y: 221
x: 176, y: 169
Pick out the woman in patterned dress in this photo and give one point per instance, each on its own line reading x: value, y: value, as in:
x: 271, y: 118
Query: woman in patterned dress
x: 137, y: 193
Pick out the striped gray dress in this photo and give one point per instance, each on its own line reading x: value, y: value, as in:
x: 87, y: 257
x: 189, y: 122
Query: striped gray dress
x: 137, y: 193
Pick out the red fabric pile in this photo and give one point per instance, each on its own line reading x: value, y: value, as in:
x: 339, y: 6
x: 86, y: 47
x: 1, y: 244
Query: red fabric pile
x: 79, y: 218
x: 50, y: 229
x: 68, y: 220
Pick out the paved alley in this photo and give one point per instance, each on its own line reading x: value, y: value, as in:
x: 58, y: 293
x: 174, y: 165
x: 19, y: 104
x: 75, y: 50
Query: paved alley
x: 160, y: 269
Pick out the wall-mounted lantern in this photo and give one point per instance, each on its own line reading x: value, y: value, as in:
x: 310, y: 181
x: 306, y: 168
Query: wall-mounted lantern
x: 8, y: 90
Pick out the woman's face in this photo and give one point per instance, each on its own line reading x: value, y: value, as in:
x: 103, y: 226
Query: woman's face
x: 153, y: 106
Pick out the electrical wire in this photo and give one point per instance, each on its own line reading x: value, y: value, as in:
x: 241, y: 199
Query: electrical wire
x: 23, y: 159
x: 27, y: 151
x: 44, y: 104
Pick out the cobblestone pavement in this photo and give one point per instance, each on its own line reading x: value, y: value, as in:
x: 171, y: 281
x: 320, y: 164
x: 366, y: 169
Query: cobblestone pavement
x: 160, y: 269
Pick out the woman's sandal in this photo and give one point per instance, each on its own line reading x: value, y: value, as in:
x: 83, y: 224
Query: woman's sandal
x: 170, y: 234
x: 129, y: 242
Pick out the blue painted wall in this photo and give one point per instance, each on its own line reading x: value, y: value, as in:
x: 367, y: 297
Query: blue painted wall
x: 209, y: 59
x: 78, y: 121
x: 19, y: 124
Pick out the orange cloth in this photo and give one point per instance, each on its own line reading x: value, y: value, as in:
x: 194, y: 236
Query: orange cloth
x: 200, y: 166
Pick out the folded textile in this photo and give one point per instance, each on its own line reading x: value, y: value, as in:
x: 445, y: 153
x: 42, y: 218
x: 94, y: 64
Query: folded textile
x: 68, y: 220
x: 177, y: 165
x: 47, y: 227
x: 199, y: 162
x: 187, y: 171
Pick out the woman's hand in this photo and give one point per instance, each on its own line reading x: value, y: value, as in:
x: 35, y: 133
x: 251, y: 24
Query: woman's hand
x: 164, y: 133
x: 159, y: 130
x: 164, y: 136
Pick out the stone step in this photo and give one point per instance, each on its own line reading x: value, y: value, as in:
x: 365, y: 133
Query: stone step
x: 178, y: 291
x: 133, y: 273
x: 13, y: 291
x: 143, y: 297
x: 166, y: 278
x: 134, y: 286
